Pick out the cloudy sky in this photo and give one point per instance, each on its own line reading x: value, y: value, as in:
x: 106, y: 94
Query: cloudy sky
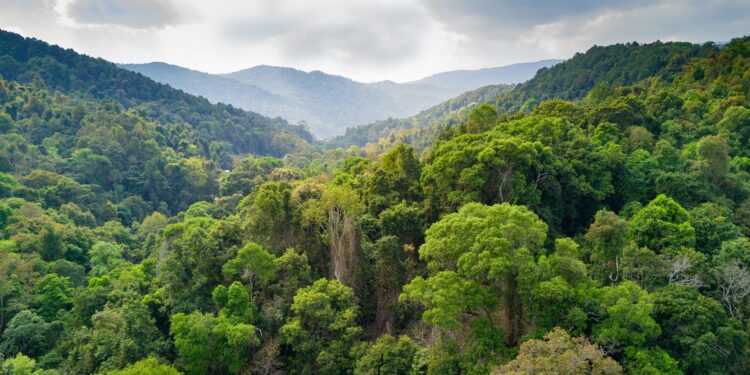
x: 371, y: 40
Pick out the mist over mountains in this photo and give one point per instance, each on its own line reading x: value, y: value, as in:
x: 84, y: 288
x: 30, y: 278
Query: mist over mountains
x: 328, y: 103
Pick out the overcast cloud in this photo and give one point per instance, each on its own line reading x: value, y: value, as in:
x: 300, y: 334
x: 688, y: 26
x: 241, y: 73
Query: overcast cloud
x: 366, y: 40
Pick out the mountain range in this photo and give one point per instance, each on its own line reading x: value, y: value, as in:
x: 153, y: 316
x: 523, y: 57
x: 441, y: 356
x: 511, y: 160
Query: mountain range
x: 328, y: 103
x: 604, y: 66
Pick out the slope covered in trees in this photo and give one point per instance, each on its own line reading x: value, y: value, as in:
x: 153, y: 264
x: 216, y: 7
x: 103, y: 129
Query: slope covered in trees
x: 573, y: 79
x: 30, y: 61
x: 422, y: 126
x: 608, y: 235
x: 615, y: 65
x: 119, y: 144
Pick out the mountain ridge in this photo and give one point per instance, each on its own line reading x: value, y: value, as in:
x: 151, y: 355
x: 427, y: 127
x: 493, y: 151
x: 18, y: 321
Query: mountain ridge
x: 327, y: 103
x: 570, y: 80
x: 500, y: 74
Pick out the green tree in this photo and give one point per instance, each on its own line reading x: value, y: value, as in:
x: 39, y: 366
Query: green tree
x: 23, y: 365
x: 322, y: 328
x: 27, y: 333
x: 105, y: 257
x: 479, y: 259
x: 234, y: 302
x: 627, y: 320
x: 713, y: 160
x: 606, y: 237
x: 148, y: 366
x: 152, y: 224
x: 697, y: 333
x: 386, y: 355
x: 402, y: 163
x: 662, y: 226
x: 116, y: 337
x: 713, y: 226
x: 293, y: 273
x: 481, y: 118
x: 210, y: 344
x: 650, y: 361
x: 273, y: 218
x: 51, y: 294
x: 643, y: 266
x: 247, y: 174
x: 191, y: 255
x: 252, y: 262
x: 563, y: 283
x: 735, y: 124
x: 638, y: 176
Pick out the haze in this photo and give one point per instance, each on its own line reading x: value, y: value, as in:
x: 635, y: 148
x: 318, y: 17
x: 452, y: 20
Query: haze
x: 364, y: 40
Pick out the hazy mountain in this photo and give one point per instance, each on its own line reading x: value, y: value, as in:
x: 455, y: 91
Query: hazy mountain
x: 329, y: 103
x: 572, y: 79
x: 420, y: 129
x: 466, y: 80
x: 216, y: 88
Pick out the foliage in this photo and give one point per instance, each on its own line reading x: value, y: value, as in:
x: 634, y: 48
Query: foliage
x: 322, y: 327
x: 388, y: 355
x: 208, y: 344
x: 148, y: 366
x: 559, y: 353
x: 144, y: 230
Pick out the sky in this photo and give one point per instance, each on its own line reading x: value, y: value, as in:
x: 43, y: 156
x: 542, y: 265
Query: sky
x: 373, y: 40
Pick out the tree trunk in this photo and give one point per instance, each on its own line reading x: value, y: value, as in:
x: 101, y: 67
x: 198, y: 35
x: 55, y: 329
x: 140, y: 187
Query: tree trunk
x: 342, y: 234
x: 513, y: 312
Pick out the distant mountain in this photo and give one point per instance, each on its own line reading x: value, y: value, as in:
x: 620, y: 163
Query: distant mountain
x: 327, y: 103
x: 219, y: 88
x: 572, y: 79
x: 466, y: 80
x: 420, y: 129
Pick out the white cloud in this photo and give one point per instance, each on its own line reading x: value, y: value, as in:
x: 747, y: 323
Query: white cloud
x: 365, y: 40
x: 136, y: 14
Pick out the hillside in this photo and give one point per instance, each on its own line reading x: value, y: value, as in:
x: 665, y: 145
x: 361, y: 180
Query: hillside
x: 328, y: 103
x: 421, y: 128
x: 118, y: 137
x: 29, y: 60
x: 610, y: 66
x: 605, y: 234
x: 615, y: 65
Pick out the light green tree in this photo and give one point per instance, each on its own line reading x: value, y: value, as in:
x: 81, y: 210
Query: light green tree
x: 480, y: 259
x: 208, y: 343
x: 322, y: 329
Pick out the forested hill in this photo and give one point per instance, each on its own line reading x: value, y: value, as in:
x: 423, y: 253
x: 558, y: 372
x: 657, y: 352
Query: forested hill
x: 420, y: 129
x: 572, y: 79
x: 615, y: 65
x: 120, y: 144
x: 608, y: 235
x: 30, y: 61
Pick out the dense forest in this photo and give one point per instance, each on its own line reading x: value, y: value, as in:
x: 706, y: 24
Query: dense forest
x: 602, y: 227
x: 419, y: 130
x: 615, y: 65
